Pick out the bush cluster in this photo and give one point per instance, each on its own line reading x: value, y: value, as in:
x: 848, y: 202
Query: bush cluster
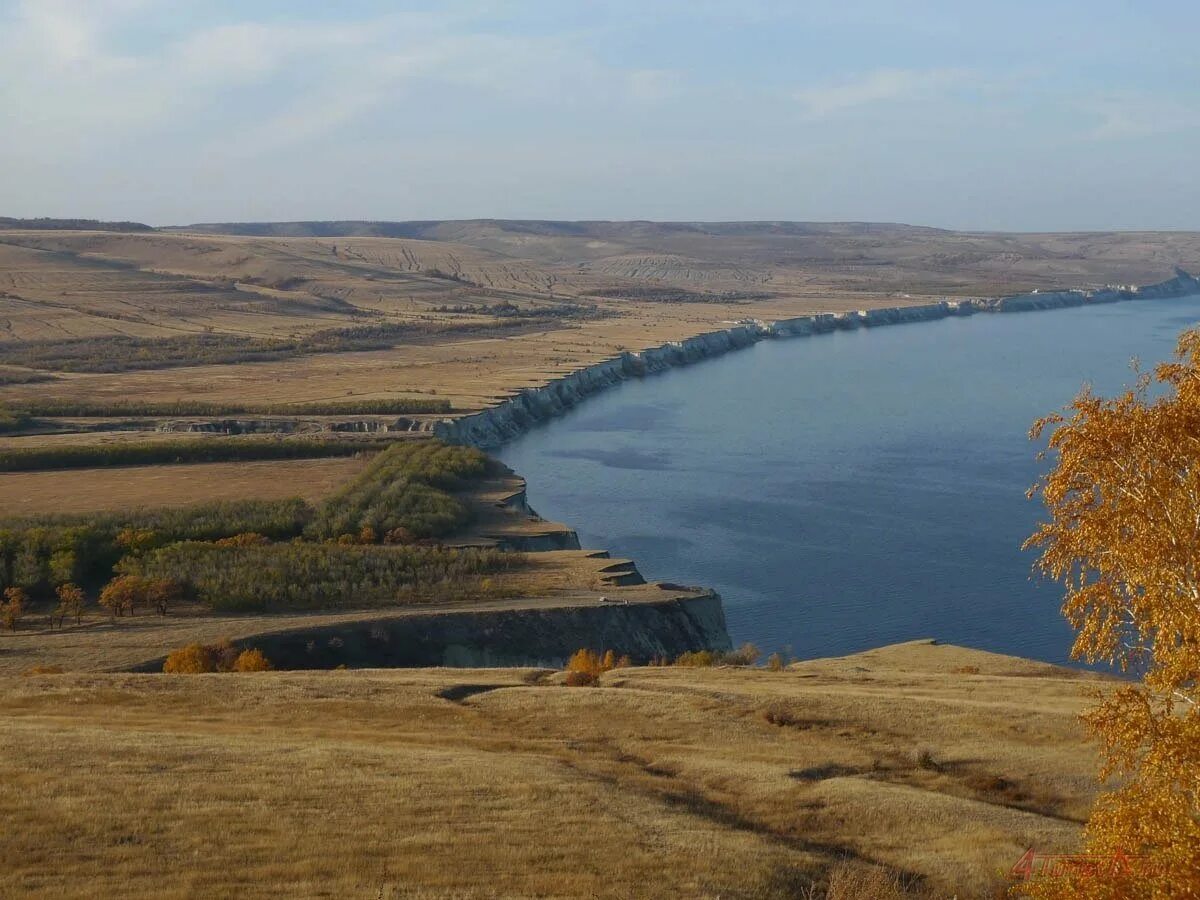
x: 585, y: 666
x: 224, y: 656
x: 745, y: 655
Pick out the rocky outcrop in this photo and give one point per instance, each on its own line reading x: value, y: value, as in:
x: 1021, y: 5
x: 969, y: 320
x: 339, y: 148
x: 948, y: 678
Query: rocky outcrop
x: 520, y: 412
x: 524, y: 637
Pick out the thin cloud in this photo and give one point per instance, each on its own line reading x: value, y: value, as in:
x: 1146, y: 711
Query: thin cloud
x: 880, y: 86
x: 1129, y: 116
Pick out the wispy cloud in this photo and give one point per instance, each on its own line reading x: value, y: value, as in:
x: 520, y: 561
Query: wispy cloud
x: 879, y: 86
x: 1129, y: 116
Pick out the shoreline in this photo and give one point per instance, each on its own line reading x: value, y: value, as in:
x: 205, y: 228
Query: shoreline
x: 518, y: 414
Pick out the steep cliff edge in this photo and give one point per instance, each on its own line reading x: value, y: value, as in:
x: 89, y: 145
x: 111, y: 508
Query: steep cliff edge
x: 644, y: 630
x: 517, y: 414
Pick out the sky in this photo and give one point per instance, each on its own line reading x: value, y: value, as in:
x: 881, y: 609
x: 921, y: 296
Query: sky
x: 1027, y: 116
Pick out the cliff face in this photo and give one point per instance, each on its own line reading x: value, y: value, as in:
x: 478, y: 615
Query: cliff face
x: 525, y: 637
x: 519, y: 413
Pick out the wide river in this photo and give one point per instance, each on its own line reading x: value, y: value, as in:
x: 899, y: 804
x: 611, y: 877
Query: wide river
x: 847, y: 490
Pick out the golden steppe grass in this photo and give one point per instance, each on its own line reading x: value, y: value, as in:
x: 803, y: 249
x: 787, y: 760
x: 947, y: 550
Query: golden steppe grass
x: 68, y: 284
x: 121, y: 488
x: 940, y: 763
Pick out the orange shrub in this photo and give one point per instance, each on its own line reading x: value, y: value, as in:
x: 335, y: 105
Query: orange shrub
x: 586, y: 666
x: 193, y: 659
x: 251, y: 661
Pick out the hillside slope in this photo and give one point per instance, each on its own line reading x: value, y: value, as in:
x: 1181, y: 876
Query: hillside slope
x: 942, y: 763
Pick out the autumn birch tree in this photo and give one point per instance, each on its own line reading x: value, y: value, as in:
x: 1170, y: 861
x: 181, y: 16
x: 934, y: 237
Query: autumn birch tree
x: 1123, y: 536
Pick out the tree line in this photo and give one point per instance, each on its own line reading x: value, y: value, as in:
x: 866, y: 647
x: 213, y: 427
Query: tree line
x: 123, y: 353
x: 39, y: 553
x: 183, y: 450
x: 62, y: 406
x: 301, y: 575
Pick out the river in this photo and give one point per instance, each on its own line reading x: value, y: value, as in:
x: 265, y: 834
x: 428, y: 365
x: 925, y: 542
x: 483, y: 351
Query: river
x: 847, y: 490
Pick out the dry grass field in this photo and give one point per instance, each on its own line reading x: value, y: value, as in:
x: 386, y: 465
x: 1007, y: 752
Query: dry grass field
x: 940, y: 763
x: 572, y: 293
x: 105, y: 490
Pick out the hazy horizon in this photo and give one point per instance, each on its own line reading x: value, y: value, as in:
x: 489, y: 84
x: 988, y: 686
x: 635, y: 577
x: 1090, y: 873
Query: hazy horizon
x: 1029, y: 117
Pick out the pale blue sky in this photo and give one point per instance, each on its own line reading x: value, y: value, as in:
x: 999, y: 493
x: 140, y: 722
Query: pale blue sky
x: 1019, y: 115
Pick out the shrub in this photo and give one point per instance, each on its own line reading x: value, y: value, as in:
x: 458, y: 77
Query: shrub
x: 697, y: 659
x: 745, y: 655
x: 223, y: 656
x: 586, y: 666
x: 858, y: 882
x: 15, y: 602
x: 44, y: 670
x: 251, y: 661
x: 193, y: 659
x: 775, y: 662
x: 923, y: 757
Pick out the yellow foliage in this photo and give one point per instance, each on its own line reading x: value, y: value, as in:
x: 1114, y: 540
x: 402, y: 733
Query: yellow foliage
x: 13, y: 607
x: 1124, y: 538
x: 251, y: 661
x: 71, y: 602
x: 223, y: 656
x: 586, y: 666
x: 193, y: 659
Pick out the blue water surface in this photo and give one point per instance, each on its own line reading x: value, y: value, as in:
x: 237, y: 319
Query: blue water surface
x: 847, y: 490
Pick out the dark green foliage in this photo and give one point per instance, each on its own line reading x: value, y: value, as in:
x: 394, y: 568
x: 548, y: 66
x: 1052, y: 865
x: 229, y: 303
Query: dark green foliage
x: 59, y: 406
x: 122, y: 353
x: 38, y: 553
x: 187, y: 450
x: 15, y: 376
x: 44, y: 224
x: 403, y: 487
x: 12, y: 420
x: 314, y: 576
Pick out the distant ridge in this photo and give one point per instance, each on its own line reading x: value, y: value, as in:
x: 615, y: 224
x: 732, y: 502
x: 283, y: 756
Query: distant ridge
x: 436, y: 229
x: 44, y: 224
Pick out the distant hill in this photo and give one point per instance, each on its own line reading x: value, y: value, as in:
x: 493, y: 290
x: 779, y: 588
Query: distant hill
x: 43, y: 224
x: 438, y: 229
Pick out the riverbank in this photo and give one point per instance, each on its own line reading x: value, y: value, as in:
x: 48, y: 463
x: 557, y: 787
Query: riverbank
x: 519, y: 413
